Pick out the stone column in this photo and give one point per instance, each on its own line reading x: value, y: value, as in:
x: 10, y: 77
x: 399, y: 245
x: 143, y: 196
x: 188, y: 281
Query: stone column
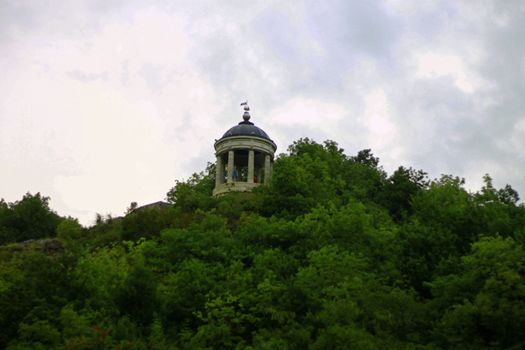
x: 219, y: 169
x: 267, y: 169
x: 260, y: 175
x: 231, y: 154
x: 251, y: 160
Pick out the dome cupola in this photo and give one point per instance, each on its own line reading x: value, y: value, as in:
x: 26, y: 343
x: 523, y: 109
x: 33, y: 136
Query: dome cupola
x: 246, y: 128
x: 244, y: 157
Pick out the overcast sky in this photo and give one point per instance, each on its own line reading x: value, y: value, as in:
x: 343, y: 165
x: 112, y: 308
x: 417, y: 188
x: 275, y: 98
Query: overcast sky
x: 107, y: 102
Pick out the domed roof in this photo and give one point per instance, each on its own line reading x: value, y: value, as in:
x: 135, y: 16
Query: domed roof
x: 246, y: 128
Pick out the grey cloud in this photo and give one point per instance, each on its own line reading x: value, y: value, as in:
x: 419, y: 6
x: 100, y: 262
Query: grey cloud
x: 308, y: 50
x: 503, y: 67
x: 155, y: 76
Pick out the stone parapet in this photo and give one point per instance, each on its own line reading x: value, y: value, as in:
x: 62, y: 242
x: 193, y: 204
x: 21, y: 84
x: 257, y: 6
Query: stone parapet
x: 234, y: 187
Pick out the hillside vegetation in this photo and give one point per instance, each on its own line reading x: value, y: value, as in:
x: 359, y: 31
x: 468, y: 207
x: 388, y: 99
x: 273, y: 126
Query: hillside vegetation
x: 334, y: 254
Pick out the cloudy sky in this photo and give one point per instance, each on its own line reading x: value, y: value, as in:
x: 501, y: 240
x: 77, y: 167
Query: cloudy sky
x: 107, y: 102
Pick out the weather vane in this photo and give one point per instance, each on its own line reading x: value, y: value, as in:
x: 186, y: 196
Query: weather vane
x: 246, y: 115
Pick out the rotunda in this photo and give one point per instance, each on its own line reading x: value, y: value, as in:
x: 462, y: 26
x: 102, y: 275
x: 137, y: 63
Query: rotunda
x: 245, y: 156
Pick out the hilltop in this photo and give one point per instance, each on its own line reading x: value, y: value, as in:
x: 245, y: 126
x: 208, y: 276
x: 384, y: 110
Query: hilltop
x: 333, y: 253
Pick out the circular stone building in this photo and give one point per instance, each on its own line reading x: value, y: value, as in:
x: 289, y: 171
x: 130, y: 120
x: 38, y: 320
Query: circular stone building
x: 244, y: 157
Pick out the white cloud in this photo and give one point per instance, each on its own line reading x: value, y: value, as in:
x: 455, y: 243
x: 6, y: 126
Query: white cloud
x: 312, y: 113
x: 431, y: 65
x: 303, y: 117
x: 380, y: 126
x: 109, y: 119
x: 104, y: 103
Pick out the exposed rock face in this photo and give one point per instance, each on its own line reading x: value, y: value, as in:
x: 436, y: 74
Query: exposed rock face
x: 48, y: 246
x: 51, y: 246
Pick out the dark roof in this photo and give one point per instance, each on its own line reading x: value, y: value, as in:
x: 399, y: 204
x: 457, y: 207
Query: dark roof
x: 246, y: 128
x: 156, y: 205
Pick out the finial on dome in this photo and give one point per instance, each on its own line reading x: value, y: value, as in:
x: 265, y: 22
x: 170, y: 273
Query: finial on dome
x: 246, y: 115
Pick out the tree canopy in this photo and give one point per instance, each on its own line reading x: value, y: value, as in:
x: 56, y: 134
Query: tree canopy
x: 334, y: 253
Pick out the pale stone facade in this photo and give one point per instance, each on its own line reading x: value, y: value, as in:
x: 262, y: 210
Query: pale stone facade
x: 244, y: 158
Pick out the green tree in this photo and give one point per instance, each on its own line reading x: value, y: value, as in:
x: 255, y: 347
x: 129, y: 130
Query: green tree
x: 99, y: 276
x: 208, y: 238
x: 447, y: 206
x: 146, y: 223
x: 136, y: 296
x: 195, y: 193
x: 37, y: 286
x: 399, y: 190
x: 333, y: 254
x: 484, y: 302
x: 29, y: 218
x: 311, y: 174
x: 184, y: 291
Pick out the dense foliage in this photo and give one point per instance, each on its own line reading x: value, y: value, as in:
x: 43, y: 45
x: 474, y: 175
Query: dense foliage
x: 28, y: 218
x: 333, y: 254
